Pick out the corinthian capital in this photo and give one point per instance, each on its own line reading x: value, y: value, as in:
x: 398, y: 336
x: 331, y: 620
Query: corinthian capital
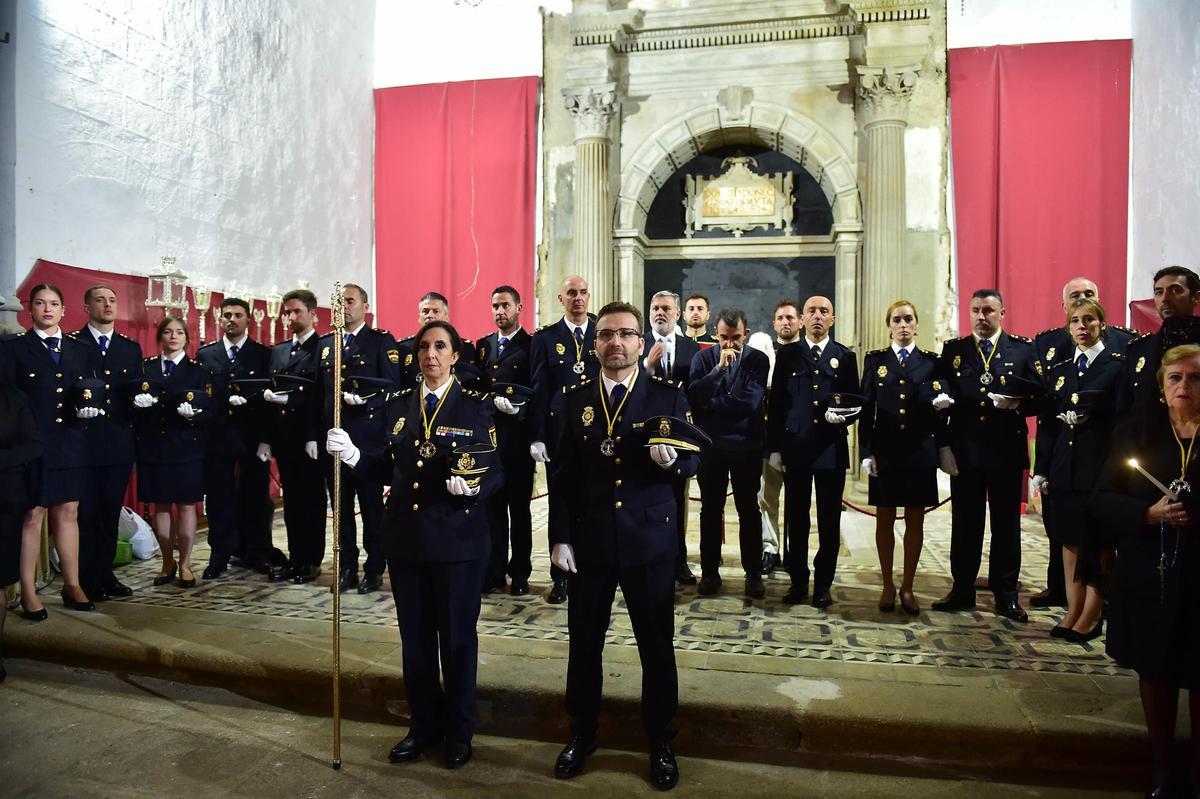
x: 593, y: 108
x: 884, y: 92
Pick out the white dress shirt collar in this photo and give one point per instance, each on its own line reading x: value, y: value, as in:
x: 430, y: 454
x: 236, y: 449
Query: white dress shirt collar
x: 994, y: 338
x: 175, y: 359
x: 96, y: 334
x: 44, y: 335
x: 438, y: 392
x: 822, y: 344
x: 230, y: 343
x: 610, y: 384
x: 573, y: 327
x: 909, y: 349
x: 296, y: 339
x: 1091, y: 352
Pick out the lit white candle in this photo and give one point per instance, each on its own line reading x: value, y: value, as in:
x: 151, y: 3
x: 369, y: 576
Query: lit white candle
x: 1166, y: 491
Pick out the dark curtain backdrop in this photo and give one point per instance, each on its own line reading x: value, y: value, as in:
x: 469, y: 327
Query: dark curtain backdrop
x: 455, y: 167
x: 1040, y: 137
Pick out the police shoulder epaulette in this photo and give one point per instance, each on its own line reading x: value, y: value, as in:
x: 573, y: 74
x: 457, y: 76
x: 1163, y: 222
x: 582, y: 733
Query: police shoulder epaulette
x: 407, y: 339
x: 120, y: 335
x: 1022, y: 339
x: 1138, y: 339
x: 1068, y: 361
x: 74, y: 335
x: 666, y: 382
x: 1048, y: 331
x: 545, y: 327
x: 404, y: 392
x: 876, y: 352
x: 1124, y: 329
x: 584, y: 382
x: 1116, y: 355
x: 928, y: 353
x: 475, y: 395
x: 963, y: 339
x: 381, y: 330
x: 209, y: 345
x: 151, y: 359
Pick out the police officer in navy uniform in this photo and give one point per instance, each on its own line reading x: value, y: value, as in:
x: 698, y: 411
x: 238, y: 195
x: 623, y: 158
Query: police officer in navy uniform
x: 371, y: 353
x: 1176, y: 294
x: 806, y: 434
x: 47, y: 366
x: 696, y: 314
x: 110, y: 450
x: 669, y: 354
x: 613, y: 526
x: 439, y: 460
x: 237, y: 469
x: 503, y: 356
x: 987, y: 453
x: 431, y: 307
x: 296, y: 428
x: 560, y: 355
x: 1051, y: 346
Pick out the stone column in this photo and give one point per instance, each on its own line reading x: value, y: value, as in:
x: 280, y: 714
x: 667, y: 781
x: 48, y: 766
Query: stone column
x: 883, y: 96
x: 593, y: 109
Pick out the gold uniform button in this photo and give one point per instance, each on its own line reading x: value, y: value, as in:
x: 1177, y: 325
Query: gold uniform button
x: 982, y: 404
x: 618, y: 483
x: 617, y: 504
x: 59, y: 405
x: 107, y: 372
x: 815, y: 403
x: 416, y: 506
x: 901, y: 396
x: 902, y: 427
x: 420, y: 464
x: 59, y: 375
x: 58, y: 420
x: 58, y: 390
x: 983, y: 418
x: 416, y: 486
x: 901, y: 382
x: 668, y: 519
x: 983, y: 389
x: 902, y: 411
x: 617, y: 461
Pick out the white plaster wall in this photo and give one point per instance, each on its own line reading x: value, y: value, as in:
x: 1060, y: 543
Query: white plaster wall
x: 437, y: 41
x: 1165, y: 184
x: 233, y: 134
x: 986, y: 23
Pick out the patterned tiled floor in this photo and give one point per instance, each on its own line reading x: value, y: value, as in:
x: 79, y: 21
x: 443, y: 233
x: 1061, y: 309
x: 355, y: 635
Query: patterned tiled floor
x: 730, y: 632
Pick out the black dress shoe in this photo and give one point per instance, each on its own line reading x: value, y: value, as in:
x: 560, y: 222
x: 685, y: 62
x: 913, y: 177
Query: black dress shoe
x: 909, y: 604
x: 214, y: 570
x: 664, y: 771
x: 558, y: 593
x: 408, y: 749
x: 571, y: 759
x: 770, y: 561
x: 1048, y: 599
x: 71, y: 604
x: 821, y: 598
x: 1076, y: 637
x: 709, y: 585
x: 755, y: 588
x: 796, y: 595
x: 952, y: 602
x: 370, y: 582
x: 684, y: 576
x: 165, y: 578
x: 1011, y: 609
x: 305, y: 574
x: 95, y: 593
x: 35, y: 615
x: 347, y: 580
x: 1058, y: 631
x: 519, y: 587
x: 117, y: 589
x: 456, y: 755
x: 280, y: 573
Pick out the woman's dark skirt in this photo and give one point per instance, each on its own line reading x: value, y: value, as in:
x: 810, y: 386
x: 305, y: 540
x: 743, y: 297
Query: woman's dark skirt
x: 903, y: 488
x: 61, y: 485
x: 1066, y: 517
x: 170, y: 482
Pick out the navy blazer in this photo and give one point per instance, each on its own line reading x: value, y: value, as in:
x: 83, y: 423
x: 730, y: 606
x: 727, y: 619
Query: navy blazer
x: 28, y: 366
x: 372, y: 353
x: 302, y: 418
x: 1051, y: 346
x: 731, y: 412
x: 162, y: 435
x: 110, y: 437
x: 236, y: 430
x: 20, y: 455
x: 898, y: 425
x: 617, y: 510
x: 681, y: 365
x: 511, y: 366
x: 552, y: 361
x: 801, y: 392
x: 423, y: 521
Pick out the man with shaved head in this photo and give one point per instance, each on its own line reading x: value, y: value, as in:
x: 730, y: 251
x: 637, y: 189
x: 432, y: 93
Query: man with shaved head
x: 561, y: 355
x: 806, y: 433
x: 1050, y: 347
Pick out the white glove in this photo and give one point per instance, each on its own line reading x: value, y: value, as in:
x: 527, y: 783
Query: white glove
x: 310, y: 449
x: 947, y: 462
x: 504, y: 405
x: 350, y: 398
x: 186, y: 410
x: 775, y: 461
x: 337, y: 442
x: 1069, y: 418
x: 88, y: 413
x: 942, y: 401
x: 664, y: 455
x: 1004, y: 403
x: 563, y: 557
x: 840, y: 416
x: 1041, y: 484
x: 237, y: 400
x: 144, y: 400
x: 537, y: 451
x: 264, y: 452
x: 271, y: 396
x: 457, y: 486
x: 869, y: 466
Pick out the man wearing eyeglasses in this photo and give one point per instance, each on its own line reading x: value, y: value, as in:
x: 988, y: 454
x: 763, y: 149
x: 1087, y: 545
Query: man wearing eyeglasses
x: 612, y: 525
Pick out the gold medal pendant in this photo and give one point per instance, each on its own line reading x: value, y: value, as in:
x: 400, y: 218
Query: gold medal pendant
x: 578, y: 367
x: 986, y: 378
x: 428, y: 449
x: 607, y: 447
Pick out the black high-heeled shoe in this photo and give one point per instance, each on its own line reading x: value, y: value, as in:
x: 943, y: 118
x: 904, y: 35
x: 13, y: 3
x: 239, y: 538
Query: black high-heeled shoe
x: 85, y: 606
x: 1076, y: 637
x: 166, y: 577
x: 188, y: 582
x: 1059, y: 631
x: 35, y: 615
x: 887, y: 605
x: 909, y: 604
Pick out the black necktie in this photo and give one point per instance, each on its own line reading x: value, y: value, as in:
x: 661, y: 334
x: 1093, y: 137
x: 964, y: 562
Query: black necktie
x: 1082, y: 363
x: 52, y: 344
x: 579, y: 336
x: 168, y: 367
x: 985, y: 347
x: 431, y: 401
x: 816, y: 353
x: 104, y: 345
x: 618, y: 394
x: 346, y: 341
x: 233, y: 353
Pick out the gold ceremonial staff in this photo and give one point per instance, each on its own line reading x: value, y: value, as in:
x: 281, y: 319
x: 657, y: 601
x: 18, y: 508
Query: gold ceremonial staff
x: 338, y: 313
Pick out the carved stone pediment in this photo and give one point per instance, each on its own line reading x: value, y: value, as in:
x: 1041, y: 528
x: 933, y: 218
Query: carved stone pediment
x: 738, y: 199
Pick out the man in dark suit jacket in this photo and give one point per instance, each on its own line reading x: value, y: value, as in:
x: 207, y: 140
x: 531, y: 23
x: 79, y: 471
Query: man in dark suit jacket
x: 237, y: 470
x: 668, y: 355
x: 560, y: 355
x: 372, y: 354
x: 110, y: 450
x: 612, y: 526
x: 727, y: 389
x: 806, y: 434
x: 431, y: 307
x: 295, y: 432
x: 503, y: 356
x: 1177, y: 294
x: 987, y: 455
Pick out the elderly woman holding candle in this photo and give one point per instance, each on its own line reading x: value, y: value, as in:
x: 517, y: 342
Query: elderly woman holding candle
x: 1154, y: 613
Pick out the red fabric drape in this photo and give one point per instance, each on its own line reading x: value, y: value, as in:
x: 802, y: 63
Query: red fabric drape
x: 454, y: 198
x: 1040, y: 137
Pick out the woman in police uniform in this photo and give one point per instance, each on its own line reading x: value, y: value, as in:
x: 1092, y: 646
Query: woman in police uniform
x: 20, y: 459
x: 440, y: 461
x: 171, y: 401
x: 898, y: 448
x: 47, y: 366
x: 1087, y: 387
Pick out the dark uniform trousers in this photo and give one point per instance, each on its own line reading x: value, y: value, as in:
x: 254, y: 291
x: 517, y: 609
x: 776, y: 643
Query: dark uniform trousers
x: 799, y: 483
x: 370, y: 504
x: 509, y: 517
x: 304, y: 506
x: 616, y: 513
x: 974, y: 491
x: 717, y: 469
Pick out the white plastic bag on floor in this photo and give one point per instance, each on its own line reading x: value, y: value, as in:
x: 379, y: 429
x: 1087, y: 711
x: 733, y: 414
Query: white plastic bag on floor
x: 137, y: 532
